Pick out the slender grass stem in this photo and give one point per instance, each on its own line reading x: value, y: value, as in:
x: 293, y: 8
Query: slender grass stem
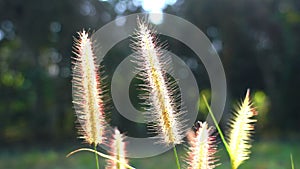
x: 292, y: 161
x: 96, y: 156
x: 176, y: 157
x: 217, y: 125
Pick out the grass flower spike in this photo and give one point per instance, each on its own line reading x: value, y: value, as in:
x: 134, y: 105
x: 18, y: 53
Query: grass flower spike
x: 201, y: 153
x: 87, y: 94
x: 241, y: 128
x: 152, y: 65
x: 117, y: 147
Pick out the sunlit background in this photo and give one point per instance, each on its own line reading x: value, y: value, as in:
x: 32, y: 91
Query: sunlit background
x: 257, y: 41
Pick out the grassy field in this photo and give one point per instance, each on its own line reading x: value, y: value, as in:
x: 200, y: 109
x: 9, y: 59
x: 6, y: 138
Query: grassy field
x: 266, y: 155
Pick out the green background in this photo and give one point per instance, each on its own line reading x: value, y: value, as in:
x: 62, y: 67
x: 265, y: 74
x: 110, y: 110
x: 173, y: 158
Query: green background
x: 257, y: 41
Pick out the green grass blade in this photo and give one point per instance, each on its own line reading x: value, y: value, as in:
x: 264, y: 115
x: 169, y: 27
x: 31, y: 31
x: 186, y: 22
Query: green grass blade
x: 100, y: 154
x: 292, y: 161
x: 216, y: 124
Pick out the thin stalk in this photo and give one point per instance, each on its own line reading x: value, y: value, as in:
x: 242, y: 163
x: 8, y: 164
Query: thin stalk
x: 96, y: 157
x: 217, y: 125
x: 292, y: 161
x: 176, y: 157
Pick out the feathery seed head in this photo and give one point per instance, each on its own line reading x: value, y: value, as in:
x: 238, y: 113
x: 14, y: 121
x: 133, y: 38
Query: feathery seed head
x: 201, y: 153
x: 152, y: 64
x: 241, y: 129
x: 87, y: 94
x: 117, y: 147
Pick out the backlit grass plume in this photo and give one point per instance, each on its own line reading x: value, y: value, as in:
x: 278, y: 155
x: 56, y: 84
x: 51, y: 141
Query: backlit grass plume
x: 152, y: 64
x: 241, y: 128
x: 87, y: 94
x: 202, y: 149
x: 118, y: 152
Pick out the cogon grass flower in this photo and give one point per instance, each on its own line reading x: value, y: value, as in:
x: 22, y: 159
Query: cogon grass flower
x: 87, y: 94
x: 163, y: 111
x: 117, y: 151
x: 202, y: 149
x: 241, y: 128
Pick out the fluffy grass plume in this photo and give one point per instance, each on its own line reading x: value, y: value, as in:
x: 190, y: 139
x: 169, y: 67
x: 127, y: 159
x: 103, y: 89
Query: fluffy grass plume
x: 202, y: 149
x: 87, y: 94
x: 241, y: 128
x: 118, y: 152
x: 152, y: 63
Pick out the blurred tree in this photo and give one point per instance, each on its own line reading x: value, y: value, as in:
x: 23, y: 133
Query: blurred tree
x: 36, y: 39
x: 259, y: 50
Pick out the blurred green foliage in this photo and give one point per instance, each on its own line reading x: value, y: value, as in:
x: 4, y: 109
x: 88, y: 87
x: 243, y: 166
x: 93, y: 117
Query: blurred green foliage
x: 266, y: 155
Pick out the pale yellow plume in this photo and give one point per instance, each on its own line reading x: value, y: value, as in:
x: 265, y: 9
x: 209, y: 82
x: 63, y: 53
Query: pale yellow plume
x: 241, y: 128
x: 87, y: 93
x: 152, y: 63
x: 202, y: 149
x: 118, y: 152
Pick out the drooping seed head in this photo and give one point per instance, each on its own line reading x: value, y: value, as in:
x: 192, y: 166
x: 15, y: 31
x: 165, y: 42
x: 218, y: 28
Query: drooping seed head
x: 87, y: 93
